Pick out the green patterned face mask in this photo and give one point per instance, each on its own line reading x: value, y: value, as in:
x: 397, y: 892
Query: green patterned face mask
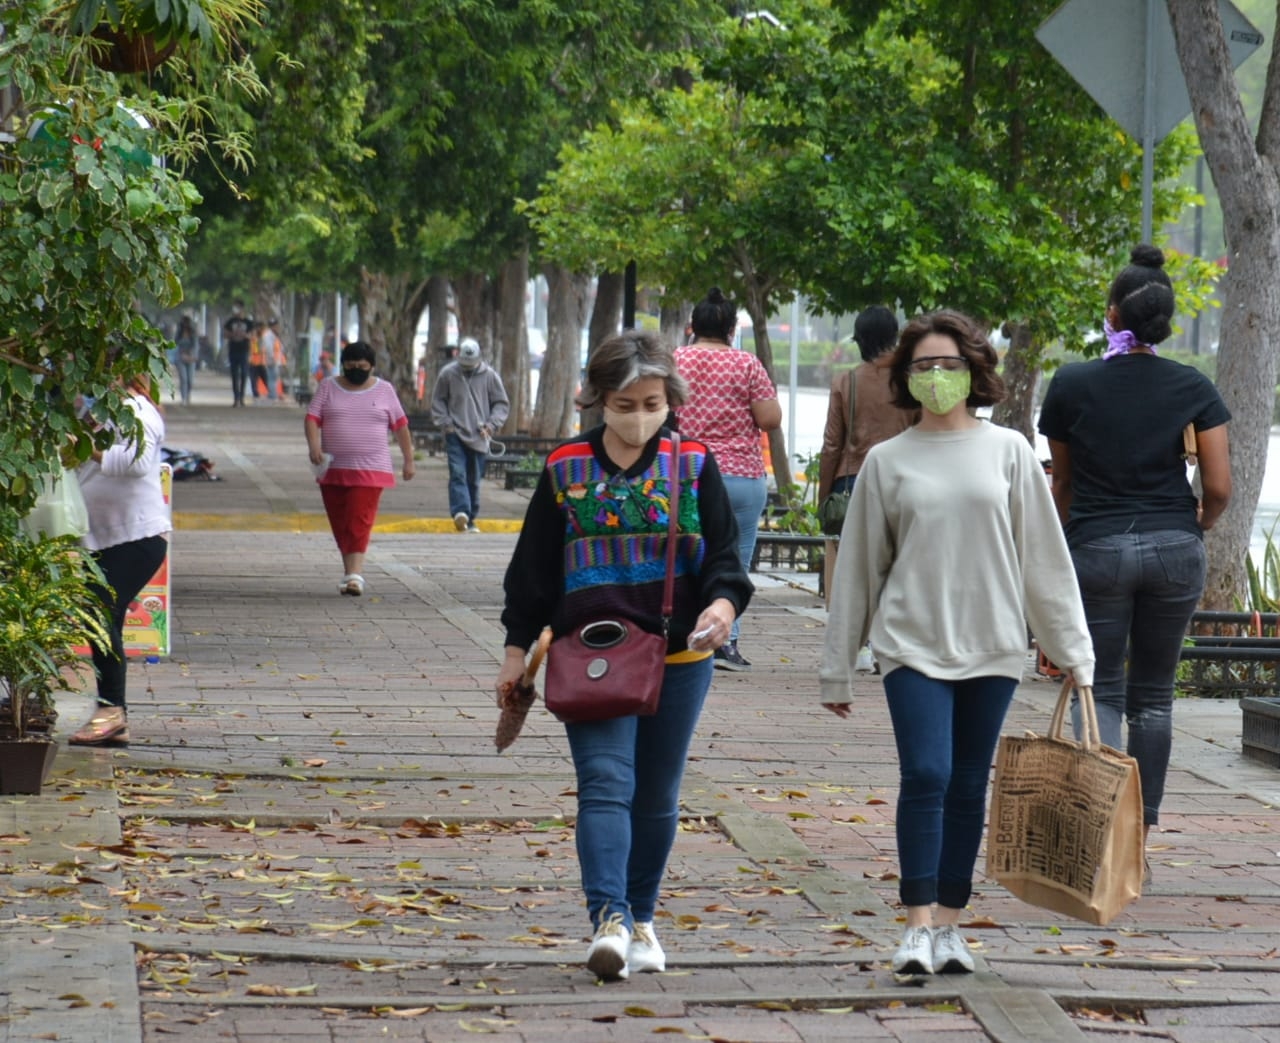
x: 939, y: 390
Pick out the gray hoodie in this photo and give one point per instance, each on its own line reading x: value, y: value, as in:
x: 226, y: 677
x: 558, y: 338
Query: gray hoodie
x: 466, y: 400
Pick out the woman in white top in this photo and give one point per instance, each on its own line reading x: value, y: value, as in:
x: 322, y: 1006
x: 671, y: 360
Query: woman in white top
x: 128, y: 522
x: 950, y: 548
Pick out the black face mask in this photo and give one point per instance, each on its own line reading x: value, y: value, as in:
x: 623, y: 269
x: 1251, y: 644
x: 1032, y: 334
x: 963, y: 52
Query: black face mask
x: 355, y: 375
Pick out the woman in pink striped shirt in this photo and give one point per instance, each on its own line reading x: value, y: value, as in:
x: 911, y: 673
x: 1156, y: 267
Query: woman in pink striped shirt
x: 347, y: 424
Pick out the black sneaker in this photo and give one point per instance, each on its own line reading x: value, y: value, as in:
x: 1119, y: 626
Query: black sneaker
x: 728, y: 657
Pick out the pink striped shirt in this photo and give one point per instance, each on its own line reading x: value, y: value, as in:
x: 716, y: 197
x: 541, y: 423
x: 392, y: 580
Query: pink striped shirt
x: 353, y: 427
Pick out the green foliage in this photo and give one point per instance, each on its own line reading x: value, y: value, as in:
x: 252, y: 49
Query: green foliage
x: 90, y: 225
x: 801, y: 516
x: 47, y: 609
x: 1264, y: 579
x: 211, y: 22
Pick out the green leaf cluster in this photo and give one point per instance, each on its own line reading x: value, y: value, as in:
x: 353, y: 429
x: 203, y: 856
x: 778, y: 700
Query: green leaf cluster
x: 92, y: 225
x: 47, y: 610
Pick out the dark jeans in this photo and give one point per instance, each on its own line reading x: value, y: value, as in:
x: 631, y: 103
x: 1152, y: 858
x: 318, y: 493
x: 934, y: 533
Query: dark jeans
x: 946, y: 732
x: 1139, y: 591
x: 629, y: 771
x: 466, y: 465
x: 238, y: 361
x: 127, y: 567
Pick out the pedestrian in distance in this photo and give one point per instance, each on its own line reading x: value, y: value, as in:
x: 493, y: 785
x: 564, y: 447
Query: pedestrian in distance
x: 258, y: 361
x: 593, y: 544
x: 273, y: 357
x: 129, y: 522
x: 951, y: 548
x: 469, y: 405
x: 1133, y: 522
x: 860, y: 413
x: 731, y: 401
x: 188, y: 355
x: 346, y: 427
x: 236, y: 332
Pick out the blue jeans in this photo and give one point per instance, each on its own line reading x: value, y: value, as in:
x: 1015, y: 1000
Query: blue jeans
x: 747, y: 497
x: 466, y: 465
x: 946, y: 733
x: 629, y: 771
x: 186, y: 371
x: 1139, y: 591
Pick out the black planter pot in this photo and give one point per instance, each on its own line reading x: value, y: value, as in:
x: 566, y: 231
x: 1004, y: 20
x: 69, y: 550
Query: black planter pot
x: 25, y: 764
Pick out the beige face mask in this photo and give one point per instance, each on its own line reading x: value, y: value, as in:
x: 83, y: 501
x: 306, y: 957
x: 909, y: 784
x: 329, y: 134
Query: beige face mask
x: 635, y: 429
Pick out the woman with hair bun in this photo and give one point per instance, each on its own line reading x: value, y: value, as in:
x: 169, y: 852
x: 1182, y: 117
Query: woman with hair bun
x: 1133, y: 522
x: 731, y: 400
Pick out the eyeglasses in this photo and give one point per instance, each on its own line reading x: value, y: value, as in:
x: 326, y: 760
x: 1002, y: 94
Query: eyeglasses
x: 948, y: 363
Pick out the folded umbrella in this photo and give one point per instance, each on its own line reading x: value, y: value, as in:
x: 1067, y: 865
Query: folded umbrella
x: 515, y: 702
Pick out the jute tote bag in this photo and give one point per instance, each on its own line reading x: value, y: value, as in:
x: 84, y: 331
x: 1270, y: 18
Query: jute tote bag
x: 1066, y: 819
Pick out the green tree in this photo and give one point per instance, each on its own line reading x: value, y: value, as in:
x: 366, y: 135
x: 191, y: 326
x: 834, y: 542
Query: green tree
x: 1243, y: 166
x: 91, y: 223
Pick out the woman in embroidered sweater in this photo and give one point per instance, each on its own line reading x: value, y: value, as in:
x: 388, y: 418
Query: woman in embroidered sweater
x: 592, y: 546
x: 346, y: 427
x: 951, y: 546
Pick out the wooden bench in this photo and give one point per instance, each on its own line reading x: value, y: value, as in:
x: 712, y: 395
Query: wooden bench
x: 497, y: 466
x: 425, y: 434
x: 788, y: 550
x: 521, y: 477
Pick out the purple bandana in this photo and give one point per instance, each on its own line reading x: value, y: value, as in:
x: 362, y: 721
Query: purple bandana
x: 1121, y: 342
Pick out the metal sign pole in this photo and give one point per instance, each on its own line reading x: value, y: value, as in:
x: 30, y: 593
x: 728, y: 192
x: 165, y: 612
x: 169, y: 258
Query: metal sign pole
x: 1149, y: 123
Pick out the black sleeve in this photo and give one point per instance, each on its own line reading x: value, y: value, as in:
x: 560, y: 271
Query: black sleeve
x: 1052, y: 423
x: 534, y: 581
x: 722, y: 575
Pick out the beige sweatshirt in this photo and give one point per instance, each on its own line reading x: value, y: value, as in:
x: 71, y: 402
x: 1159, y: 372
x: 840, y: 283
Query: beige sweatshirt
x: 951, y: 547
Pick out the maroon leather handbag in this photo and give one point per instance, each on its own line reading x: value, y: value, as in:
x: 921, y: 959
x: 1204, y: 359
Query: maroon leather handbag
x: 611, y: 667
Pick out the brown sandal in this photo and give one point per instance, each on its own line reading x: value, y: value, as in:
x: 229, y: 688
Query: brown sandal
x: 107, y: 725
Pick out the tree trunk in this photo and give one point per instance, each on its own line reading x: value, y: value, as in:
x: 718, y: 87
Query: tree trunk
x: 1021, y: 373
x: 389, y: 309
x: 1245, y: 176
x: 511, y: 358
x: 473, y: 297
x: 671, y: 321
x: 606, y: 313
x: 437, y: 333
x: 559, y: 378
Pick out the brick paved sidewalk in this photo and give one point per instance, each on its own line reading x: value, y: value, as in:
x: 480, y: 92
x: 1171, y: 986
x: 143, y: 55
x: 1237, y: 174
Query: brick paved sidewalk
x: 312, y: 837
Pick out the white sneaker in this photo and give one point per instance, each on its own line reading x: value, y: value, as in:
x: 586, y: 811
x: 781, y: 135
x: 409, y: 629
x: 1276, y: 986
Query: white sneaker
x: 950, y: 952
x: 460, y: 521
x: 644, y: 953
x: 915, y: 954
x: 607, y: 957
x: 866, y: 663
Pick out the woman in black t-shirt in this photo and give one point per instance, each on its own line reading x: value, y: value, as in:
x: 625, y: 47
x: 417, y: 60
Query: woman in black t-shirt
x: 1134, y: 525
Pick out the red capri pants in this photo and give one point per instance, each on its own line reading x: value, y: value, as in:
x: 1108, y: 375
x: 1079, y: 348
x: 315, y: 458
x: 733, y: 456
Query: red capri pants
x: 352, y: 510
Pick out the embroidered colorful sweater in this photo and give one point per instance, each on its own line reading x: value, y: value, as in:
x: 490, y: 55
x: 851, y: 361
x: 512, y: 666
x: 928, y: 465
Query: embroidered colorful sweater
x: 593, y: 543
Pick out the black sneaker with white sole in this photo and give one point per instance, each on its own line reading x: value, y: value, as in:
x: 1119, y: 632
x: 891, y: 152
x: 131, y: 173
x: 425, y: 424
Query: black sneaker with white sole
x: 727, y: 657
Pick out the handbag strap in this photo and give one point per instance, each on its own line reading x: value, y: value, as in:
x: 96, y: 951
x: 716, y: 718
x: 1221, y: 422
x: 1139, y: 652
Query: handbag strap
x: 853, y: 397
x: 673, y: 530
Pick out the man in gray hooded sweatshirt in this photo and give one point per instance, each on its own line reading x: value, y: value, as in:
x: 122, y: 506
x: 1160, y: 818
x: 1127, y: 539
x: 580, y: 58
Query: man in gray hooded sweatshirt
x: 468, y: 404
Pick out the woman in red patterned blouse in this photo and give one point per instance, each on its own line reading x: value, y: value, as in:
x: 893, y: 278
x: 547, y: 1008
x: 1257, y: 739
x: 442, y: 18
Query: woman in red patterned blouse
x: 731, y: 400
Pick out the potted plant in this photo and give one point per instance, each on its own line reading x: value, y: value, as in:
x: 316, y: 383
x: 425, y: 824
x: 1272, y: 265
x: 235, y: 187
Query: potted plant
x: 48, y: 610
x: 143, y: 34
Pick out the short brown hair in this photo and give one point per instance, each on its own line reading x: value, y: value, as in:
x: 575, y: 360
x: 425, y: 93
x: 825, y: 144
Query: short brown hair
x: 985, y: 386
x: 625, y: 358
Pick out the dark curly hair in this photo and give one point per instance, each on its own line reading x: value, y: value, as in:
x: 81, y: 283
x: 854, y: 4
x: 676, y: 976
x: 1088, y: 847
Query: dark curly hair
x: 715, y: 316
x: 1143, y: 295
x: 986, y: 388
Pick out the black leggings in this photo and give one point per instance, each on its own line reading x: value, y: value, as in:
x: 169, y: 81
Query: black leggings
x: 127, y: 568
